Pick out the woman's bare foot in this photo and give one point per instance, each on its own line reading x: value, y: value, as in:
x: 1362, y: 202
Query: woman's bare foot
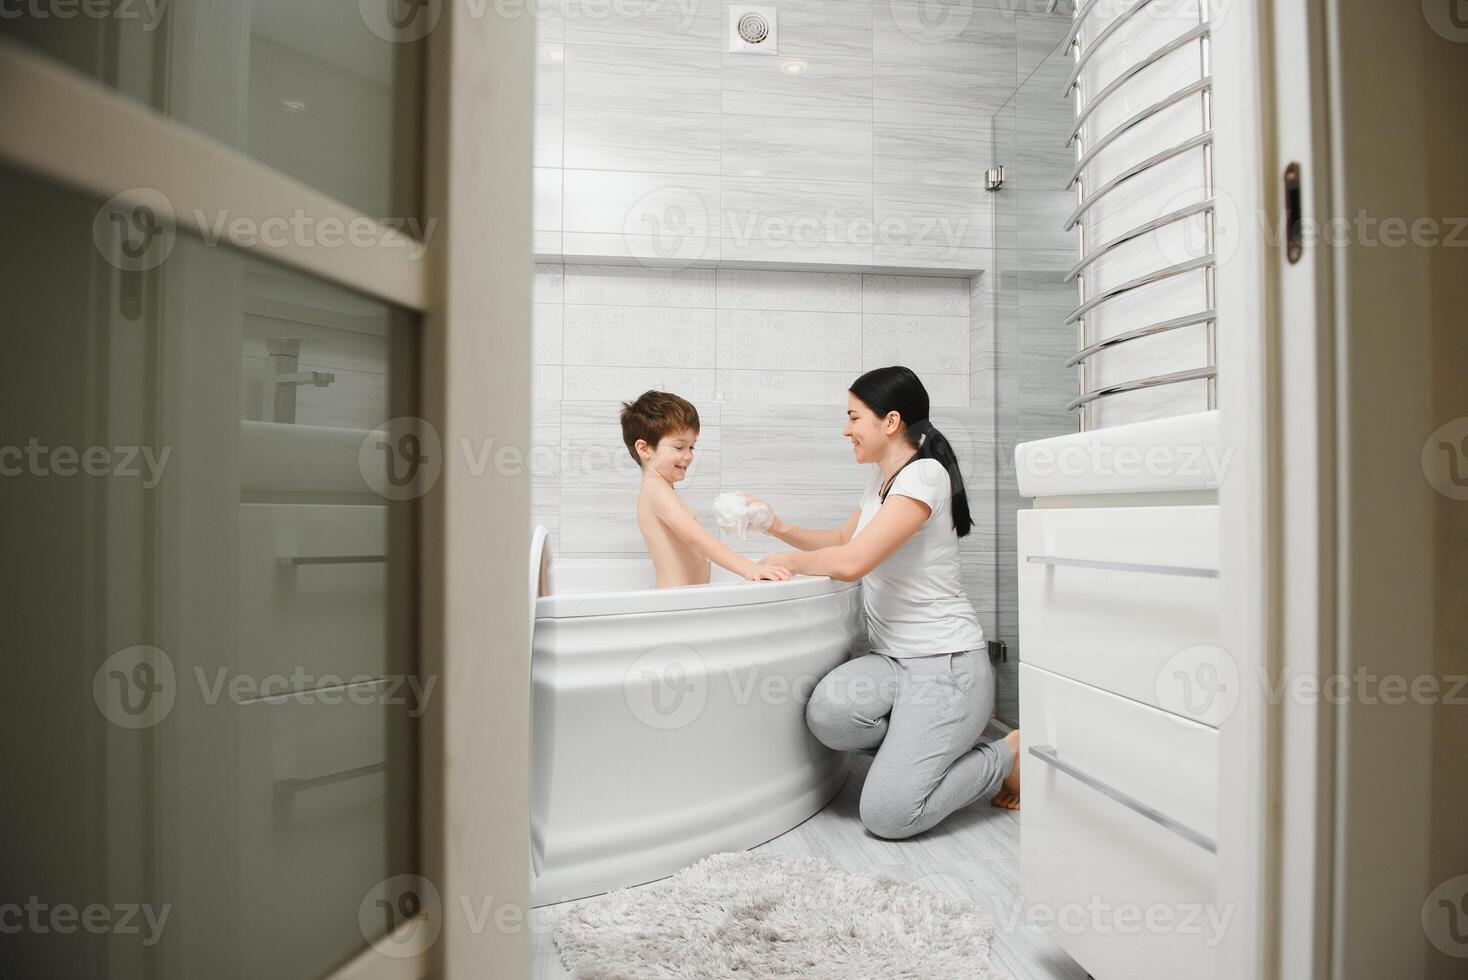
x: 1008, y: 796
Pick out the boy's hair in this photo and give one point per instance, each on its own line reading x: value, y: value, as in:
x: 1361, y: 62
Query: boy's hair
x: 653, y: 415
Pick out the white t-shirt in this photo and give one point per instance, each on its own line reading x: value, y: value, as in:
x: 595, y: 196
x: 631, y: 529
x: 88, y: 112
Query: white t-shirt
x: 915, y: 603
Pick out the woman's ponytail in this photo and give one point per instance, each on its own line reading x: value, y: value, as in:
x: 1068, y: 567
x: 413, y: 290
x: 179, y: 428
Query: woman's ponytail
x: 932, y: 444
x: 897, y: 389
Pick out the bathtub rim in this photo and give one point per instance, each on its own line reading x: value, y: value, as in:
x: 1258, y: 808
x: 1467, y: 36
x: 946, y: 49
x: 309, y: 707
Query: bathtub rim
x: 578, y: 605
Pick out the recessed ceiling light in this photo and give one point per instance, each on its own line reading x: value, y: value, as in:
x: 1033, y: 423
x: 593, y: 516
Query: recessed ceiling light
x: 295, y: 105
x: 555, y: 53
x: 794, y: 67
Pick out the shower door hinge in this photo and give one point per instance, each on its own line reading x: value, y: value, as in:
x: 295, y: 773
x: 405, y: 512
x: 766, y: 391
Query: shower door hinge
x: 993, y: 178
x: 998, y: 651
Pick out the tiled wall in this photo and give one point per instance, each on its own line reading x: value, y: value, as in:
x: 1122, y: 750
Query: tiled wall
x: 862, y: 142
x: 766, y: 356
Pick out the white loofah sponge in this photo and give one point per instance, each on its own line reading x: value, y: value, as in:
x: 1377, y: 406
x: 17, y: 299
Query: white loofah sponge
x: 736, y: 515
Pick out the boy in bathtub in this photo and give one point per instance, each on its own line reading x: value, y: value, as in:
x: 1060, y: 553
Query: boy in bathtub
x: 660, y: 430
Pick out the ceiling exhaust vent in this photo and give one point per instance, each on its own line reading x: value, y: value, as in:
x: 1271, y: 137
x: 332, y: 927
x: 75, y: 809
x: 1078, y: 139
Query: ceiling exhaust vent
x: 752, y: 30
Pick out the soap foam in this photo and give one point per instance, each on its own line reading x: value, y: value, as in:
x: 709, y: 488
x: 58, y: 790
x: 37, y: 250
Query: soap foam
x: 736, y: 515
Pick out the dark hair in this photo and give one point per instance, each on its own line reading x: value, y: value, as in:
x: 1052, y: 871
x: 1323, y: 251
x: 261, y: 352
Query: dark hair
x: 653, y: 415
x: 897, y: 389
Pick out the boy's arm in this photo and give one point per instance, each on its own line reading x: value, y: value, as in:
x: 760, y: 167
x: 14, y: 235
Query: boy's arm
x: 669, y: 508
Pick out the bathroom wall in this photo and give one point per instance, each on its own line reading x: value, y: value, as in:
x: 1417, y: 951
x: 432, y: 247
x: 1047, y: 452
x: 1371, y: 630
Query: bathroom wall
x: 862, y: 142
x: 766, y: 356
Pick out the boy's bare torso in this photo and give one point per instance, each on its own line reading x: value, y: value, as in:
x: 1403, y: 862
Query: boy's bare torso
x: 675, y: 563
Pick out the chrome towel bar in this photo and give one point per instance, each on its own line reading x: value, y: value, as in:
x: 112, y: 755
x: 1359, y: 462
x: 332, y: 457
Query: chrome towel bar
x: 1115, y: 292
x: 1162, y: 156
x: 1117, y: 23
x: 1137, y: 232
x: 1176, y: 377
x: 1206, y: 208
x: 1075, y: 27
x: 1192, y: 319
x: 1137, y: 118
x: 1048, y: 755
x: 1181, y: 41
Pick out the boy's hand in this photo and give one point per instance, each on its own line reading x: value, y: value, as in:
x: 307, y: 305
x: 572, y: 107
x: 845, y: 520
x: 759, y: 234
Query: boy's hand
x: 762, y: 572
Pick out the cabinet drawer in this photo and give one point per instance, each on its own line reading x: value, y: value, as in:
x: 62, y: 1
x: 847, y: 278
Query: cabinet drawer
x: 1126, y: 599
x: 313, y: 593
x: 1120, y: 812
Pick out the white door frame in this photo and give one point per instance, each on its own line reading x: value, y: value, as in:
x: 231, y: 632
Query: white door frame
x: 1325, y: 371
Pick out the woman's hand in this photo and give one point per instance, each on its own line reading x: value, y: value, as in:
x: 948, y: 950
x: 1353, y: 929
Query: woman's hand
x: 788, y: 560
x: 767, y: 526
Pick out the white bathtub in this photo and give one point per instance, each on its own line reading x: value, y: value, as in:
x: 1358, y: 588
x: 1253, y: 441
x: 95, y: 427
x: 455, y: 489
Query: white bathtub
x: 670, y: 724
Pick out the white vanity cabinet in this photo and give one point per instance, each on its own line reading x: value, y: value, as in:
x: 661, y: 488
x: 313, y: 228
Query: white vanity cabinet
x: 1122, y: 688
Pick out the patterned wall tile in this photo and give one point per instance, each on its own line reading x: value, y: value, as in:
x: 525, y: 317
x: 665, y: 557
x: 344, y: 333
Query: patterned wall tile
x: 927, y: 344
x: 639, y: 336
x: 772, y: 339
x: 632, y: 285
x: 771, y: 289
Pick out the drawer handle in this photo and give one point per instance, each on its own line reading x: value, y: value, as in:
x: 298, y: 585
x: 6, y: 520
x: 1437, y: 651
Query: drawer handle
x: 1125, y: 566
x: 290, y: 787
x: 1047, y: 754
x: 288, y: 561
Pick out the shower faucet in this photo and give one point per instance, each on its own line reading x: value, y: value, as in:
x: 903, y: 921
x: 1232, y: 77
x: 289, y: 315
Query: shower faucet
x: 286, y: 352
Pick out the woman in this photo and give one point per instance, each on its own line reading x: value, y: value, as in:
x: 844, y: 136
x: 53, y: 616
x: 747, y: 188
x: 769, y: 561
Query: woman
x: 924, y: 694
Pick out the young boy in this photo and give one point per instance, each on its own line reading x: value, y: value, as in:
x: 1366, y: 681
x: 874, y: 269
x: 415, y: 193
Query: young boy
x: 660, y: 430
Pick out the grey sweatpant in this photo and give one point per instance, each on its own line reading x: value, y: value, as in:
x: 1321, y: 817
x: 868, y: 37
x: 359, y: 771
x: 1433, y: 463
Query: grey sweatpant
x: 923, y: 716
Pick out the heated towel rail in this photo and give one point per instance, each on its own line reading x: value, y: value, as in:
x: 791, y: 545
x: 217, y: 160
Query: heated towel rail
x: 1086, y: 198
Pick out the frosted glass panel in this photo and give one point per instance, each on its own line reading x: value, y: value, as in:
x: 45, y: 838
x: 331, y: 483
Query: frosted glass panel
x: 1032, y: 252
x: 209, y: 708
x: 319, y: 90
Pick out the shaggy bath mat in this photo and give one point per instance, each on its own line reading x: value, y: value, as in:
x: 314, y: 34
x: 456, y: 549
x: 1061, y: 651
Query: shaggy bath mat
x: 767, y: 916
